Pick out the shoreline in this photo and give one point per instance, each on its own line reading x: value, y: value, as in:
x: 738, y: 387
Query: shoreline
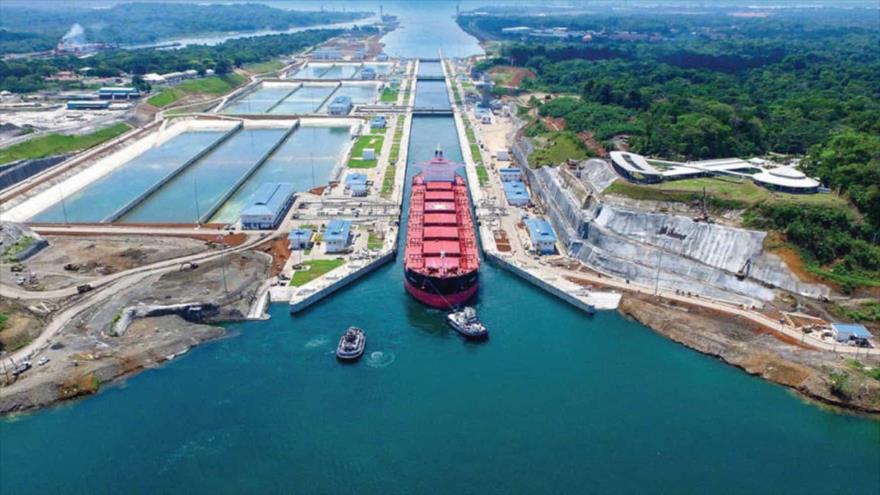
x: 758, y: 353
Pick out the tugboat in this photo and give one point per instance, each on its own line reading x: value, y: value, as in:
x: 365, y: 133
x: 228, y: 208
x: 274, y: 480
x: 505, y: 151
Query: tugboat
x: 351, y: 344
x: 467, y: 324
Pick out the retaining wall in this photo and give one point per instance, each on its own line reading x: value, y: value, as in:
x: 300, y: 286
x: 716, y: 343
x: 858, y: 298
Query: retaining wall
x: 302, y: 304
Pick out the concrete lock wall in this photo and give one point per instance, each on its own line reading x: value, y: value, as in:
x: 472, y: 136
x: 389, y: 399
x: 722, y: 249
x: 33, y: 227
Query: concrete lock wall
x: 692, y: 256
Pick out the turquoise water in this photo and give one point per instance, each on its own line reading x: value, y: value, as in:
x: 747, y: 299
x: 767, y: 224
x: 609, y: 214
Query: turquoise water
x: 202, y: 185
x: 260, y: 100
x: 432, y: 94
x: 307, y: 99
x: 101, y: 198
x: 554, y: 402
x: 430, y: 69
x: 304, y: 160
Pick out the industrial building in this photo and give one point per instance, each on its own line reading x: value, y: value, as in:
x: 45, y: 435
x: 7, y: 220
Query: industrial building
x: 516, y: 193
x: 300, y: 239
x: 337, y: 236
x: 88, y: 105
x: 341, y: 105
x: 327, y: 54
x: 851, y: 333
x: 267, y: 206
x: 356, y: 183
x: 541, y: 235
x: 378, y: 122
x: 510, y: 174
x: 636, y: 168
x: 368, y: 73
x: 119, y: 93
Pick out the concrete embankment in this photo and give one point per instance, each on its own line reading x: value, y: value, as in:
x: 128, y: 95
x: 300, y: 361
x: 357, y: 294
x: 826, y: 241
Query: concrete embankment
x: 580, y: 297
x: 307, y: 295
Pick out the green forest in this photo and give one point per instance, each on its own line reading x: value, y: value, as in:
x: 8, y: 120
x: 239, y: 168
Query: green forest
x: 39, y: 29
x: 22, y: 76
x: 700, y: 86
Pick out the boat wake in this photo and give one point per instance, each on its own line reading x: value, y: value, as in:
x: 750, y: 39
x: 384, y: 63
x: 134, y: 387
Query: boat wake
x: 317, y: 341
x: 379, y: 359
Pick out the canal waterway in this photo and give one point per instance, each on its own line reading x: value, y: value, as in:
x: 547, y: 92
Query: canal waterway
x: 554, y: 402
x: 307, y: 99
x: 260, y: 100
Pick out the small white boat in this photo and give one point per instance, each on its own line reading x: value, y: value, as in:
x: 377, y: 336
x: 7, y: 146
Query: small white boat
x: 351, y: 344
x: 466, y: 323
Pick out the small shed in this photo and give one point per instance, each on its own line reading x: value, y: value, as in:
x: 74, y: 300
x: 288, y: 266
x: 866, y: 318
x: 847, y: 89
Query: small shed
x: 337, y: 236
x: 341, y: 105
x: 516, y: 194
x: 851, y: 332
x: 300, y: 239
x: 369, y: 154
x: 502, y: 154
x: 378, y: 122
x: 510, y: 174
x: 542, y: 236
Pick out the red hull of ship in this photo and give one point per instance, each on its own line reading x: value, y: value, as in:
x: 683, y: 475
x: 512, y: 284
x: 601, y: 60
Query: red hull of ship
x: 442, y: 261
x: 445, y: 301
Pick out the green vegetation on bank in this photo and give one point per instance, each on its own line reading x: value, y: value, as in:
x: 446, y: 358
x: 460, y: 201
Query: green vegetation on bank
x: 22, y: 76
x: 212, y: 86
x: 374, y: 241
x: 264, y: 67
x: 394, y: 155
x: 56, y: 144
x: 3, y: 319
x: 24, y: 29
x: 696, y: 86
x: 558, y: 147
x: 482, y: 173
x: 12, y: 251
x: 314, y: 269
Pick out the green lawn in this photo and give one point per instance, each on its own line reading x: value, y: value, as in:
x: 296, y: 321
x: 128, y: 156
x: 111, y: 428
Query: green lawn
x: 482, y: 175
x: 374, y: 241
x: 263, y: 67
x: 389, y: 95
x: 735, y: 192
x: 374, y: 141
x: 55, y: 144
x: 314, y: 269
x: 212, y: 86
x: 562, y: 147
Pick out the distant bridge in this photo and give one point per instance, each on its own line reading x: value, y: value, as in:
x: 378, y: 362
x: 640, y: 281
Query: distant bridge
x: 432, y: 111
x: 430, y: 78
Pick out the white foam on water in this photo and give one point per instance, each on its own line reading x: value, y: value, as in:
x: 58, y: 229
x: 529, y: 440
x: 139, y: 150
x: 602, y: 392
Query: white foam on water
x: 379, y: 359
x: 317, y: 341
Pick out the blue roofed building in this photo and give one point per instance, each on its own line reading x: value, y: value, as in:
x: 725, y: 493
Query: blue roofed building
x: 516, y: 194
x: 337, y: 236
x: 368, y: 73
x: 510, y: 174
x: 542, y: 236
x: 378, y: 122
x: 341, y: 105
x: 300, y: 239
x: 120, y: 93
x: 267, y: 206
x: 851, y: 332
x: 356, y: 184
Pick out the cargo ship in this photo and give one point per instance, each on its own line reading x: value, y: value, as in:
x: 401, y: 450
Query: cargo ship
x: 441, y: 264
